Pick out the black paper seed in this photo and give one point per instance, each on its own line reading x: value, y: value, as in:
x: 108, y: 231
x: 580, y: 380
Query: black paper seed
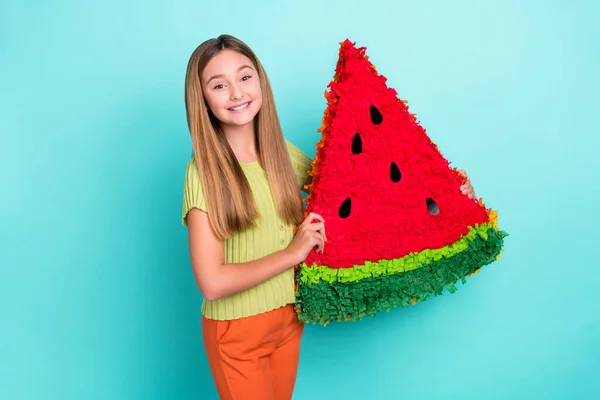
x: 345, y: 208
x: 356, y: 144
x: 395, y: 174
x: 376, y: 116
x: 432, y: 207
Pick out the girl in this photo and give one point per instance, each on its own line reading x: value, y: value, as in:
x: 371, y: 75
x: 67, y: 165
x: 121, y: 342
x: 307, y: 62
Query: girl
x: 242, y: 201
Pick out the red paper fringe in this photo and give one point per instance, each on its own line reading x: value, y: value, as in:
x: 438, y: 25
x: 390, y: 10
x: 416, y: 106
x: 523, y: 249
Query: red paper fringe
x: 387, y: 219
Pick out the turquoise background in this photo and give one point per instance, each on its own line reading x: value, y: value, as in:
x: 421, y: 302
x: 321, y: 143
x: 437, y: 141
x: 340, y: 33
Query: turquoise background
x: 96, y: 290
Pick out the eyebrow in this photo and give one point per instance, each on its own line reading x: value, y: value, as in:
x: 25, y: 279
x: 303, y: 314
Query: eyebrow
x: 221, y: 75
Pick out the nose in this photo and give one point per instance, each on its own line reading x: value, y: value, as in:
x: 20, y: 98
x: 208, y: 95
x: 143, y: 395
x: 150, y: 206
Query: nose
x: 236, y: 92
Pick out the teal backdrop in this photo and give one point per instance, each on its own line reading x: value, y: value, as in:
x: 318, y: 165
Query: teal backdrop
x: 97, y: 297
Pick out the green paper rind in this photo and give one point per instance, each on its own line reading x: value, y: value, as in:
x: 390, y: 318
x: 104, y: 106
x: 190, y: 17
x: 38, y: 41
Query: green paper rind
x: 323, y: 301
x: 317, y: 273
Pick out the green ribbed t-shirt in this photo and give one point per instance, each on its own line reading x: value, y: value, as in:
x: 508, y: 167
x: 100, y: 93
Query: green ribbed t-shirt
x: 270, y: 234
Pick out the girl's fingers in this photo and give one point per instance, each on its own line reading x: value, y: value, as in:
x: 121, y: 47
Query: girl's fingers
x: 320, y: 242
x: 321, y: 230
x: 314, y: 227
x: 310, y: 217
x: 318, y: 227
x: 467, y: 188
x: 318, y: 216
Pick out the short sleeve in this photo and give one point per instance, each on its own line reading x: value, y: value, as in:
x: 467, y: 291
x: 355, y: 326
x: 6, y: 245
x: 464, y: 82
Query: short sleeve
x: 193, y: 195
x: 300, y: 161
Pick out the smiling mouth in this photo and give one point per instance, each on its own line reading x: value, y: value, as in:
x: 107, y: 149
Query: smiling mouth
x: 241, y: 107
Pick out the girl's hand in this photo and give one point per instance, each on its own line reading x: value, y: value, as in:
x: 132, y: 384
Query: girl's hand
x: 467, y: 188
x: 308, y: 236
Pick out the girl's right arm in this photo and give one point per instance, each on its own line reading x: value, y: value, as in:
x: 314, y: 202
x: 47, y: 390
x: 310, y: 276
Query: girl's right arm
x: 215, y: 279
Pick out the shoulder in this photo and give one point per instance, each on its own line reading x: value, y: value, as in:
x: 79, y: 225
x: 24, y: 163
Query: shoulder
x: 291, y: 147
x: 192, y: 181
x: 295, y: 153
x: 191, y: 170
x: 301, y: 163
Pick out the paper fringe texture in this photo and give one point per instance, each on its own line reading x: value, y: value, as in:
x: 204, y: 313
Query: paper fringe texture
x: 373, y: 171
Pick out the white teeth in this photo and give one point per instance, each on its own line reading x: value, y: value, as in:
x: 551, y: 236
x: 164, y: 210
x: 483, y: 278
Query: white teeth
x: 240, y: 107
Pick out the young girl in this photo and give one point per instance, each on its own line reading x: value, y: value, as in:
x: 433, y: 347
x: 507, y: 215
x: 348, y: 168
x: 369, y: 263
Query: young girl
x: 242, y: 201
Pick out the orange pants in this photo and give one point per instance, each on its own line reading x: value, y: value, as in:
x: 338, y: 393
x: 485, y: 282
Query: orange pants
x: 254, y: 357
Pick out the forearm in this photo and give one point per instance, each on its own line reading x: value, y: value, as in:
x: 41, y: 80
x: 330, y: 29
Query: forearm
x: 228, y: 279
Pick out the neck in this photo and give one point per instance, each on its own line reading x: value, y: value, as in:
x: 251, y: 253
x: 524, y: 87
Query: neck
x: 242, y: 141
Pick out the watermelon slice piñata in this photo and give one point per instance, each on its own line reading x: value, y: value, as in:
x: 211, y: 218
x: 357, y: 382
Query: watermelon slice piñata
x: 399, y: 229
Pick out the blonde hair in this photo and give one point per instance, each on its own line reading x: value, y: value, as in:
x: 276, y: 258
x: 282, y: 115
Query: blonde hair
x: 228, y: 197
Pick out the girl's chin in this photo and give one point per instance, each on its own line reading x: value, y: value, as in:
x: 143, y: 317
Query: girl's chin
x: 239, y: 122
x: 240, y: 119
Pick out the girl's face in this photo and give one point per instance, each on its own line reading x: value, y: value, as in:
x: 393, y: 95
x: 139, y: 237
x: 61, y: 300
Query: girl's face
x: 231, y: 88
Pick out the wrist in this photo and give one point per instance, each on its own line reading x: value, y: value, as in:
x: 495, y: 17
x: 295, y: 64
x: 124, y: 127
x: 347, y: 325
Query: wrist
x: 291, y: 257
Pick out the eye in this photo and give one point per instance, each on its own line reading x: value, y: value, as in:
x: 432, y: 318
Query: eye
x: 219, y: 86
x: 245, y: 78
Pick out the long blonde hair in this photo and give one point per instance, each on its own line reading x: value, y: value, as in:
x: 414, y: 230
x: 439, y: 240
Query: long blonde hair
x: 228, y: 197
